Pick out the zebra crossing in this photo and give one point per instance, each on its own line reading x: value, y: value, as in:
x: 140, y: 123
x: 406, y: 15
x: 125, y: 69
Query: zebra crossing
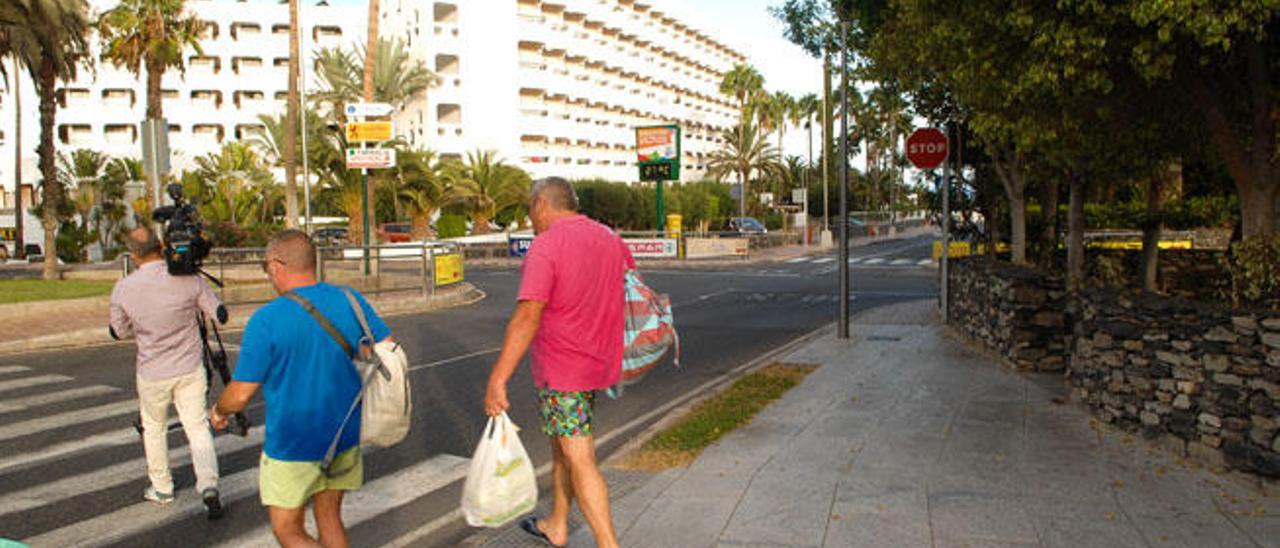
x: 53, y: 426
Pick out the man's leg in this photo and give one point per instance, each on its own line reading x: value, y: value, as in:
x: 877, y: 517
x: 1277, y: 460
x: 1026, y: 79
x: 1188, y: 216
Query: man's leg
x: 153, y: 404
x: 327, y: 506
x: 579, y: 456
x: 290, y: 527
x: 189, y: 398
x: 556, y: 524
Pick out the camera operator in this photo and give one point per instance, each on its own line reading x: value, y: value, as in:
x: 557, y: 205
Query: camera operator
x: 160, y: 310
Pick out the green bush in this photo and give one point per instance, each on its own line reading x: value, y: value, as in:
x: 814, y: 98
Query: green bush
x: 72, y: 242
x: 451, y: 225
x: 1253, y: 267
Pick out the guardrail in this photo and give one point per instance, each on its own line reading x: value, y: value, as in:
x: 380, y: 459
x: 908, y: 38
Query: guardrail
x: 422, y: 266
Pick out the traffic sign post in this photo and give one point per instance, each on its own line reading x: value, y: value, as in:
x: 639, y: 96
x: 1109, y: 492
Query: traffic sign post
x: 360, y: 131
x: 371, y: 158
x: 367, y: 110
x: 363, y: 132
x: 927, y: 148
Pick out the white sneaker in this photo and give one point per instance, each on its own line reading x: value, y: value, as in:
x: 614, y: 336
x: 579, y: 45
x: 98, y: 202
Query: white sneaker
x: 154, y: 495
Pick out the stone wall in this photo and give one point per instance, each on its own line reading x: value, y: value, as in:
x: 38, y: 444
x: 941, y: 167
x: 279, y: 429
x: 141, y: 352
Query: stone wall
x: 1014, y: 311
x: 1189, y: 273
x: 1207, y: 377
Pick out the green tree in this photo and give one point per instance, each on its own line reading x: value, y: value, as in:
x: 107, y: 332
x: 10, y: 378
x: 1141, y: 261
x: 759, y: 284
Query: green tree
x: 484, y: 185
x: 397, y: 77
x: 49, y: 39
x: 422, y: 189
x: 236, y: 188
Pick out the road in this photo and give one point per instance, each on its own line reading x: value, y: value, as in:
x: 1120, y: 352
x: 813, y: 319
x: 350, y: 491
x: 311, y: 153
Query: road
x: 72, y: 468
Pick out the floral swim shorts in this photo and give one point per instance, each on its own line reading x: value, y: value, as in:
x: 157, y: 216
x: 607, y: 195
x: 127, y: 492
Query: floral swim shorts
x: 566, y: 414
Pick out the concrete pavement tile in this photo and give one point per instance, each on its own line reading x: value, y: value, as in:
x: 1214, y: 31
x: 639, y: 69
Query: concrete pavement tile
x: 984, y: 438
x: 1086, y: 531
x: 1099, y: 507
x: 879, y: 511
x: 1074, y: 484
x: 628, y: 509
x: 1192, y: 530
x: 997, y: 412
x: 911, y: 454
x: 680, y: 521
x: 962, y: 515
x: 960, y: 542
x: 1265, y: 531
x: 967, y: 474
x: 782, y: 512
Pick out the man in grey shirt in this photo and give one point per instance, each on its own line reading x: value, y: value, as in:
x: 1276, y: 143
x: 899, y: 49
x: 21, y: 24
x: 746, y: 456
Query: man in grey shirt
x: 160, y: 311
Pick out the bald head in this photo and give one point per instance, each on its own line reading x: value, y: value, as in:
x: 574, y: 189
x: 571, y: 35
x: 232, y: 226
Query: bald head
x: 293, y: 248
x: 556, y: 192
x: 143, y: 243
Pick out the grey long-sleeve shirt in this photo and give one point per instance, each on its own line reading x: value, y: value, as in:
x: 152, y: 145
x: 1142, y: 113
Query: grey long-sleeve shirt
x: 160, y: 311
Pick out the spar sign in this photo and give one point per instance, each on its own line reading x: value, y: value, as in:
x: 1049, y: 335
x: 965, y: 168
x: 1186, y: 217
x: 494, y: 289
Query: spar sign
x: 651, y: 247
x: 658, y: 152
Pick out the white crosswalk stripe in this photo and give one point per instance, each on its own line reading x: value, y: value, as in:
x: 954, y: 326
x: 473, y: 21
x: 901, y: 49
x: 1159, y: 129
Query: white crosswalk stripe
x: 69, y: 418
x: 9, y: 369
x: 823, y: 260
x: 855, y: 260
x: 798, y: 260
x: 28, y: 402
x: 900, y: 262
x: 874, y: 260
x: 925, y: 262
x: 30, y: 382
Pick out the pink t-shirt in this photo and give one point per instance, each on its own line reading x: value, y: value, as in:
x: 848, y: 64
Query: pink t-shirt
x: 576, y: 267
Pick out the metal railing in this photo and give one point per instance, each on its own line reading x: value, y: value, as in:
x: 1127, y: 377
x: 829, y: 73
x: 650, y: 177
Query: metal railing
x: 393, y: 267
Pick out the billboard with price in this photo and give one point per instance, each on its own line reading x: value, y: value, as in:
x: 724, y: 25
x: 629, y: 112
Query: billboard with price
x: 651, y: 247
x: 658, y: 152
x: 448, y: 268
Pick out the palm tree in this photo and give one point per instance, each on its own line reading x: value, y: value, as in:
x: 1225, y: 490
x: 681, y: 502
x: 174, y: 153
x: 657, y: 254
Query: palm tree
x: 150, y: 33
x: 745, y: 152
x: 485, y: 185
x: 422, y: 189
x: 397, y: 77
x: 742, y: 82
x: 781, y: 105
x: 49, y: 39
x: 235, y: 186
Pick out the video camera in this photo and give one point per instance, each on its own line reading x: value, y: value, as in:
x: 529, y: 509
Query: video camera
x: 184, y: 244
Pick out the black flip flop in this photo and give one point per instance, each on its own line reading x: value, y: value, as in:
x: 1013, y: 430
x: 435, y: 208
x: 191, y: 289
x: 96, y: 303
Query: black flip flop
x: 530, y: 525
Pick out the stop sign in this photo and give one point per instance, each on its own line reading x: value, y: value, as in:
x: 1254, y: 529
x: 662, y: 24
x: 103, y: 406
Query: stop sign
x: 927, y: 148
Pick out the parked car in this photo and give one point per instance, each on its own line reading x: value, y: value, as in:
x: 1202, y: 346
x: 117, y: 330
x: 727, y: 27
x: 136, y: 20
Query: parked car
x: 394, y: 233
x: 746, y: 225
x: 330, y: 235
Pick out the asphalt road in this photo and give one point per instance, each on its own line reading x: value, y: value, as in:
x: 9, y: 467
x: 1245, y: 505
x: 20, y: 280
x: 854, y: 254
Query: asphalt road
x: 71, y: 468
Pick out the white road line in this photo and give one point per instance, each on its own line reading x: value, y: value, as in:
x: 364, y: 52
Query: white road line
x: 901, y: 261
x: 874, y: 260
x: 379, y: 496
x: 823, y: 260
x: 925, y: 262
x: 855, y: 260
x: 6, y: 369
x: 116, y: 474
x: 29, y: 382
x: 69, y: 418
x: 459, y: 358
x: 55, y: 397
x: 121, y: 436
x: 798, y: 260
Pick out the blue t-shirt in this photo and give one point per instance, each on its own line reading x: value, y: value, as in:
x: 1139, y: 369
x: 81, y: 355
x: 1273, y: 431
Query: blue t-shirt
x: 307, y: 379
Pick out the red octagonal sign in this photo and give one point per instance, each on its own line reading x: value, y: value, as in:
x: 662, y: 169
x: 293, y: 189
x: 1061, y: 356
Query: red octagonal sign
x: 927, y: 148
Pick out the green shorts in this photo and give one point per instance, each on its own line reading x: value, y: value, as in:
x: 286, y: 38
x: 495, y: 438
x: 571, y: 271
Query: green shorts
x: 566, y: 414
x: 290, y: 484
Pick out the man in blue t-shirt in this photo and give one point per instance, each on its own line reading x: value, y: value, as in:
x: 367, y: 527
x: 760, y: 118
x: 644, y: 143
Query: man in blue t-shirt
x: 308, y: 382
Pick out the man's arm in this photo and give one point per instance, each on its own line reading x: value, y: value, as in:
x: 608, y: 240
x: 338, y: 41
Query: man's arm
x: 234, y: 399
x: 119, y: 325
x: 520, y: 331
x: 209, y: 303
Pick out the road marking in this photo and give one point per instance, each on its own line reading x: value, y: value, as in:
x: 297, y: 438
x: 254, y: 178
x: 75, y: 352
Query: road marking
x: 823, y: 260
x: 798, y: 260
x: 925, y: 262
x: 28, y: 402
x: 29, y: 382
x: 6, y: 369
x: 116, y: 474
x: 458, y: 358
x: 70, y: 418
x: 874, y: 260
x: 379, y: 496
x: 855, y: 260
x: 105, y: 439
x: 899, y: 262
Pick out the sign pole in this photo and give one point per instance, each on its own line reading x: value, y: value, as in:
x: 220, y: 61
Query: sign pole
x: 843, y: 322
x: 660, y: 225
x: 946, y: 230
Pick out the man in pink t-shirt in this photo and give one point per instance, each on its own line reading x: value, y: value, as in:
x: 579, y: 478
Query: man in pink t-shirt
x: 570, y: 313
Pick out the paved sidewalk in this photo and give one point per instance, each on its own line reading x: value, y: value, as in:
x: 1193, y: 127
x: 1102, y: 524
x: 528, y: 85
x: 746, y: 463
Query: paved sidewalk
x: 905, y: 438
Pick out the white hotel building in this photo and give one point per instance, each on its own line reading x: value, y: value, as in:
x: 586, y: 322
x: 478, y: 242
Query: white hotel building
x: 555, y: 86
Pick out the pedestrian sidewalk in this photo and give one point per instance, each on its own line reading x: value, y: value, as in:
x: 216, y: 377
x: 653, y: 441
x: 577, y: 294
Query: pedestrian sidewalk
x: 903, y: 437
x: 73, y: 323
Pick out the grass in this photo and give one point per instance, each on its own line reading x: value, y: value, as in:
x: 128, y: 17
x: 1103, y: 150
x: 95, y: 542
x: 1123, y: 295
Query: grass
x: 715, y: 417
x: 21, y: 291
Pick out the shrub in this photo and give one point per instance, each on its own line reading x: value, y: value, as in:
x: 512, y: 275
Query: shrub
x: 451, y: 225
x: 1253, y: 267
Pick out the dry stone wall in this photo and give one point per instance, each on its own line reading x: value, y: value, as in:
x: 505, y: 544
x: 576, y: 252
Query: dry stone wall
x: 1012, y: 310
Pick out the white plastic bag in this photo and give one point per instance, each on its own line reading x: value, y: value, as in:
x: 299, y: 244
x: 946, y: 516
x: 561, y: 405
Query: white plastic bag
x: 500, y: 484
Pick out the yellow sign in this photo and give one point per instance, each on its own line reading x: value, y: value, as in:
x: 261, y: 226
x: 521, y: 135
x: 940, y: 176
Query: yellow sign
x: 448, y: 268
x: 359, y: 132
x: 1137, y: 244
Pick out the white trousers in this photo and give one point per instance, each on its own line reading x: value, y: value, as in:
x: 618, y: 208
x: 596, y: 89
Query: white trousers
x: 187, y: 393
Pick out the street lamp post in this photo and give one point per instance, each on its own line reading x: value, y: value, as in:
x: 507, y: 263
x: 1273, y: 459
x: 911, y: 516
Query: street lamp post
x: 843, y: 331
